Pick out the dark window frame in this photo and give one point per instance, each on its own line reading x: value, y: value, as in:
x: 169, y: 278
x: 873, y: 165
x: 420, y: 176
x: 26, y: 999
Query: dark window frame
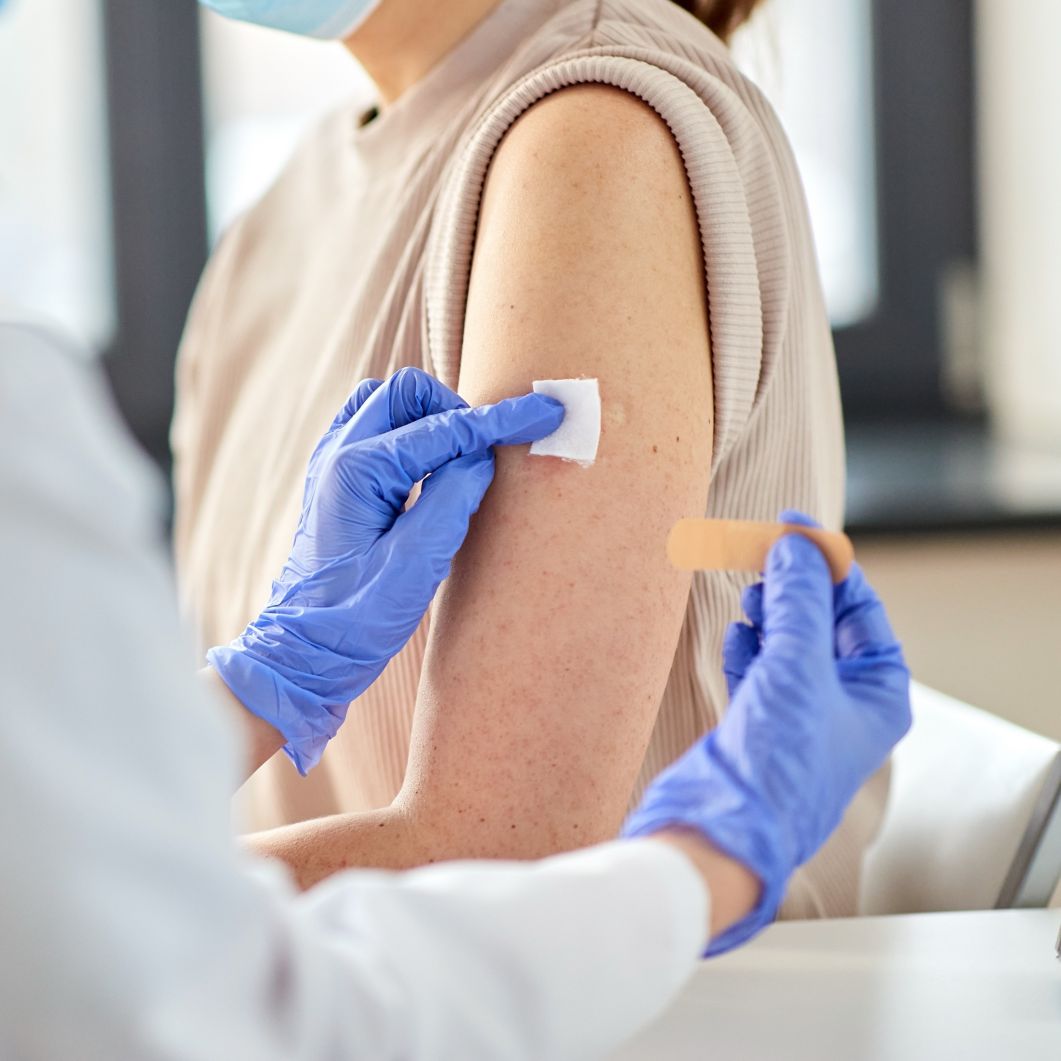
x: 892, y: 365
x: 158, y: 197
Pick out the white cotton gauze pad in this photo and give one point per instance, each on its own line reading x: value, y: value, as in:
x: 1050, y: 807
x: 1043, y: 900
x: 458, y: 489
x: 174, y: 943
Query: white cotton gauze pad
x: 577, y: 438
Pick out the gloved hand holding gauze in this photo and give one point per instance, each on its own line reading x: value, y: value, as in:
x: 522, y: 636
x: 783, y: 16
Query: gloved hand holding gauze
x: 578, y: 437
x: 362, y: 569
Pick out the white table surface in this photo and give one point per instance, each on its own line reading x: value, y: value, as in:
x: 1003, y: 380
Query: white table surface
x: 969, y: 986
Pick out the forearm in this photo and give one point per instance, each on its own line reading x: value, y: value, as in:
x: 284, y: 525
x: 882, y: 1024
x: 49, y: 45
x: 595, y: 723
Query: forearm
x: 260, y: 740
x: 388, y: 838
x: 733, y: 888
x: 406, y: 835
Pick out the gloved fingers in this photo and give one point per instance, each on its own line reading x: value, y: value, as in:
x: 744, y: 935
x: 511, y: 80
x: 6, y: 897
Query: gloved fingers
x: 516, y: 421
x: 423, y: 447
x: 879, y: 685
x: 739, y: 649
x: 415, y: 394
x: 403, y: 398
x: 362, y: 392
x: 797, y: 600
x: 862, y: 624
x: 436, y: 526
x: 751, y: 600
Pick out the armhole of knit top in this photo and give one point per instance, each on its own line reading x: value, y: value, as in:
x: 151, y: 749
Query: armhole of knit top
x: 732, y: 175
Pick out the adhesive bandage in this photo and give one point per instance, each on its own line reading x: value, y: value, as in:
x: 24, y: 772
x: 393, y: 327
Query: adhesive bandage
x: 577, y: 438
x: 742, y: 545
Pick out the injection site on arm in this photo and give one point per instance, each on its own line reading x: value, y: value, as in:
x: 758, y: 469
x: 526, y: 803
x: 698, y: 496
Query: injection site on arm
x: 528, y: 739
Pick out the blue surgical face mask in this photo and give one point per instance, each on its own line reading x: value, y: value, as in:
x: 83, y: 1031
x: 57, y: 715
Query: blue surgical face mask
x: 328, y: 19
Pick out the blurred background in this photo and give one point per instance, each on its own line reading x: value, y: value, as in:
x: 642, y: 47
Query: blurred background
x: 925, y: 134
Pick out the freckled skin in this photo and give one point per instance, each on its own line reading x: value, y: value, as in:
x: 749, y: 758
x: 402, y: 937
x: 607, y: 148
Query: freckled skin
x: 566, y: 567
x: 551, y: 642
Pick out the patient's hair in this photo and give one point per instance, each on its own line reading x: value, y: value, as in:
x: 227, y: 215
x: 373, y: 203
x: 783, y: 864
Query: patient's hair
x: 722, y: 17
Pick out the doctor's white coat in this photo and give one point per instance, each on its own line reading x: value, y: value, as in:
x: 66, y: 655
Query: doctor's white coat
x: 130, y: 927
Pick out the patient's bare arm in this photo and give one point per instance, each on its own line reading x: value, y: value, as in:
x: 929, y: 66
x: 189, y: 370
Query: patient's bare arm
x: 552, y: 641
x: 260, y: 740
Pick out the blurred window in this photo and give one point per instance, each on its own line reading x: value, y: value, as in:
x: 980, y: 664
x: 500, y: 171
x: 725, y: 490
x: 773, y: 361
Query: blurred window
x: 55, y: 244
x: 814, y: 60
x: 262, y: 91
x: 878, y: 100
x: 813, y: 57
x: 876, y: 95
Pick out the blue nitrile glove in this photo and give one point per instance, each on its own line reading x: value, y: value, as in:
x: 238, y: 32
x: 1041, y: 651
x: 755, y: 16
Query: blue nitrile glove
x: 363, y: 571
x: 820, y: 695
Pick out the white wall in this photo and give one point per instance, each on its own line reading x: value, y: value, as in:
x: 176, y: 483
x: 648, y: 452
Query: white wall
x: 1020, y: 149
x: 263, y: 90
x: 55, y: 248
x: 980, y: 618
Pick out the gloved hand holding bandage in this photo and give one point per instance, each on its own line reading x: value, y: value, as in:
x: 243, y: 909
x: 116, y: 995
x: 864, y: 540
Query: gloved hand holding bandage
x: 819, y: 696
x: 362, y: 570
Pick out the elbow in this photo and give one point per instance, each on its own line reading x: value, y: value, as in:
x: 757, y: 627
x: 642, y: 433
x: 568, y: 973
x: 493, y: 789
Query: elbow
x: 504, y: 828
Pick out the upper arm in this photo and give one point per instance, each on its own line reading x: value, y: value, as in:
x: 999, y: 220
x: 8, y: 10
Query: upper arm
x: 552, y: 641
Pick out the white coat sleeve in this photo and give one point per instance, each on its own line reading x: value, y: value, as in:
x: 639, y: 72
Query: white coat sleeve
x: 129, y: 925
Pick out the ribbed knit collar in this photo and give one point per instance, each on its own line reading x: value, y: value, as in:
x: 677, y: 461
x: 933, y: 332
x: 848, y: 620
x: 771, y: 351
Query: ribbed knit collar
x: 404, y: 126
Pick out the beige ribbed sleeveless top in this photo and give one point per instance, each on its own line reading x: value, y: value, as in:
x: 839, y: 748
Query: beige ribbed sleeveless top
x: 357, y: 262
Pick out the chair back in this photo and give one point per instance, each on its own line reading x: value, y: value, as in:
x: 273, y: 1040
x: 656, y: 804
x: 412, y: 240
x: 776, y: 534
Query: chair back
x: 974, y: 812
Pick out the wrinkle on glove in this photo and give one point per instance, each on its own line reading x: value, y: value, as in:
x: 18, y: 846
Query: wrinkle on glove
x: 362, y: 570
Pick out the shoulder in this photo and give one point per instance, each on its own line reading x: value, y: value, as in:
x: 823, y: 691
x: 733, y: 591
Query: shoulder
x: 587, y: 255
x: 594, y: 110
x: 597, y: 130
x: 595, y: 159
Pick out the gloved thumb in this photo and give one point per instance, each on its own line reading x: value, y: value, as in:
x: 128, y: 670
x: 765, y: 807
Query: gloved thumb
x: 797, y: 599
x: 362, y: 392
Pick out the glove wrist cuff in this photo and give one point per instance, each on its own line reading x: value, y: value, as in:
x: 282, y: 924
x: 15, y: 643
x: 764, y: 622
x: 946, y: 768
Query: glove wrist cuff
x: 305, y: 722
x: 750, y: 842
